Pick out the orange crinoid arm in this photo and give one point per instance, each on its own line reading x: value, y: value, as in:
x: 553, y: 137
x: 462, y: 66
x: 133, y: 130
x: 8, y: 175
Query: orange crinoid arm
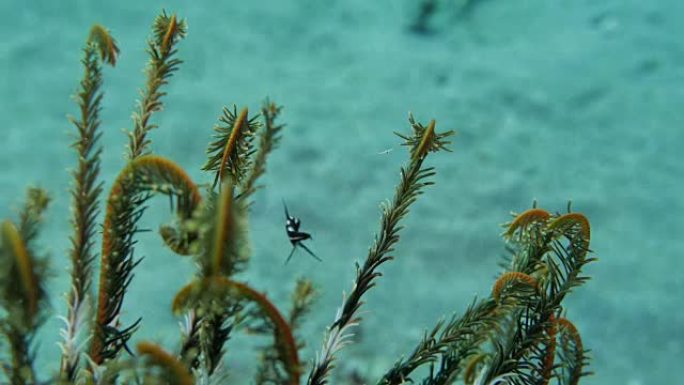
x: 142, y: 177
x: 224, y: 287
x: 232, y: 140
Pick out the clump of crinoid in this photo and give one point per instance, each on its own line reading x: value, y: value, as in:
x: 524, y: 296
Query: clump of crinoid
x: 519, y: 334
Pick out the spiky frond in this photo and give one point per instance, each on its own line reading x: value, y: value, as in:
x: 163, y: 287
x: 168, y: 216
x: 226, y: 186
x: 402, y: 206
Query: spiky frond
x: 561, y: 245
x: 413, y: 181
x: 142, y: 178
x: 31, y: 215
x: 167, y: 32
x: 102, y: 40
x: 229, y: 249
x: 212, y: 311
x: 22, y: 286
x: 222, y: 250
x: 222, y: 246
x: 425, y: 139
x: 87, y: 189
x: 211, y: 295
x: 23, y: 272
x: 573, y: 356
x: 514, y: 284
x: 461, y: 335
x: 231, y: 151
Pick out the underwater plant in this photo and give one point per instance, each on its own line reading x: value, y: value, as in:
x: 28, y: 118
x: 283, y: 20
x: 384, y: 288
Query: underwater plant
x: 519, y: 334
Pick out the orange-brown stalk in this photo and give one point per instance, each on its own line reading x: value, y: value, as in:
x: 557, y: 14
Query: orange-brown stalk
x: 223, y: 226
x: 572, y: 219
x: 547, y: 369
x: 159, y: 357
x: 567, y: 327
x: 526, y: 218
x: 170, y: 32
x: 29, y: 282
x: 575, y: 227
x: 511, y: 277
x: 285, y: 341
x: 426, y: 141
x: 232, y: 140
x: 284, y: 337
x: 155, y: 166
x: 141, y: 163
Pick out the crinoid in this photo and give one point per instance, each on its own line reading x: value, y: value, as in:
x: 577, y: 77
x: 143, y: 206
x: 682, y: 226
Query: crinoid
x: 519, y: 334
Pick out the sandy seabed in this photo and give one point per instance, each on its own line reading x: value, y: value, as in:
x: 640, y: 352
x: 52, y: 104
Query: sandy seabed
x: 552, y: 100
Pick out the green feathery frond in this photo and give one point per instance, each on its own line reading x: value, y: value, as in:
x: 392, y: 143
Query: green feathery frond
x: 86, y: 191
x: 102, y: 40
x: 212, y: 312
x: 563, y: 242
x: 31, y: 216
x: 544, y: 269
x: 218, y: 295
x: 136, y: 183
x: 462, y: 334
x: 222, y: 246
x: 167, y: 32
x: 425, y: 139
x: 231, y: 151
x: 413, y: 180
x: 572, y: 355
x: 22, y: 286
x: 229, y: 250
x: 223, y: 250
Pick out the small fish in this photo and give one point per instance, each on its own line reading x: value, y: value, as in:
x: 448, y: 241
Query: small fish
x: 296, y: 237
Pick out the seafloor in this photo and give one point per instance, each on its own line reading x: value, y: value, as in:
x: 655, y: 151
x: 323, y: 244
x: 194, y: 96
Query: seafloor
x: 553, y: 100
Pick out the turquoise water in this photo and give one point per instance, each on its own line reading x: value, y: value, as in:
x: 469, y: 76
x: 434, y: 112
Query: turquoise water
x: 552, y: 100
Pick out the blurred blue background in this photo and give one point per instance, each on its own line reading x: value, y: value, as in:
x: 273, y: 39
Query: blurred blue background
x: 552, y: 100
